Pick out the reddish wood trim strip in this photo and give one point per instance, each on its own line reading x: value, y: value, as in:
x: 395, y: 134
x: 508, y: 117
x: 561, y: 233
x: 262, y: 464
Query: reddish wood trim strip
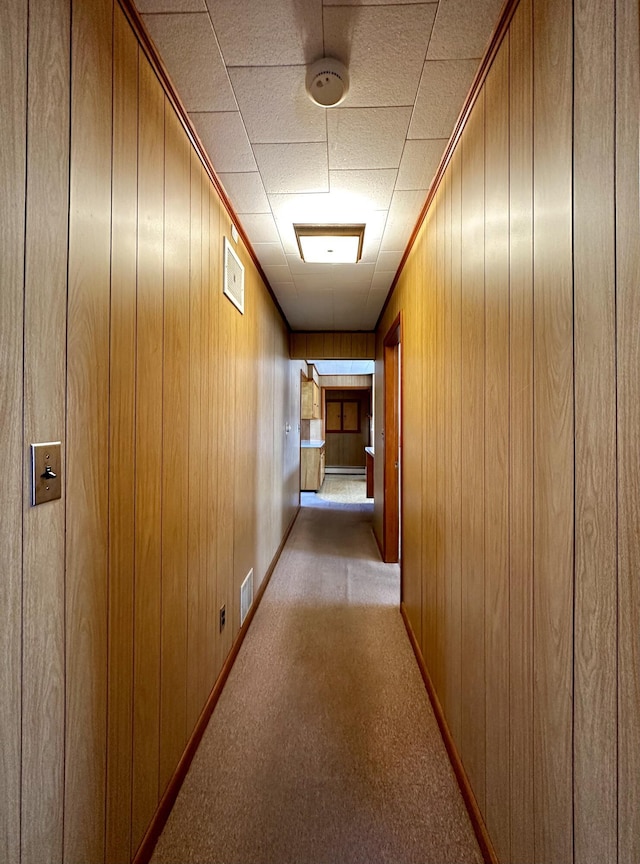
x: 159, y: 820
x: 495, y: 42
x: 146, y: 43
x: 480, y: 829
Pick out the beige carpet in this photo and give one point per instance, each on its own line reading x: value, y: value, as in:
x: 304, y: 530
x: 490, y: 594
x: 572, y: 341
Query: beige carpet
x: 344, y: 489
x: 323, y: 748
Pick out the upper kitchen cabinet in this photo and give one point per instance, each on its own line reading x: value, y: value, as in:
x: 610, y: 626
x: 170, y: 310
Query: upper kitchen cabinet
x: 310, y: 402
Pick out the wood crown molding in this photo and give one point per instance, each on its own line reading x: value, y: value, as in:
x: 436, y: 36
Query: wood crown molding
x: 147, y: 45
x: 495, y: 42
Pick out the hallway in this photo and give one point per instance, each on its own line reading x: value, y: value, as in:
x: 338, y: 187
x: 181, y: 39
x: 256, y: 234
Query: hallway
x: 323, y: 746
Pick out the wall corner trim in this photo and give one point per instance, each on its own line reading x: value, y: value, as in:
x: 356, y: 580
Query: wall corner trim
x: 480, y: 829
x: 159, y: 820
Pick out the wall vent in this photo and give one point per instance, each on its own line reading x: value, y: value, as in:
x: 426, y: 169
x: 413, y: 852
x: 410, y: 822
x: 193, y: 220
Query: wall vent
x: 246, y: 596
x: 233, y: 276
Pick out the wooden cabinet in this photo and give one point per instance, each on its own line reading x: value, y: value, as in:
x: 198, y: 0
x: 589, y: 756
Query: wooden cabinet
x: 310, y: 402
x: 312, y: 468
x: 343, y: 415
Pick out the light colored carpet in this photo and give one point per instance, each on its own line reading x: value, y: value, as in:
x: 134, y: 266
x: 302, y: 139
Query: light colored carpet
x: 340, y: 491
x: 323, y: 748
x: 344, y: 489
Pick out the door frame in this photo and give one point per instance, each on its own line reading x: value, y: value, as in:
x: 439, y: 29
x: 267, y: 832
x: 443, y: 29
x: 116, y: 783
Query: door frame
x: 392, y: 433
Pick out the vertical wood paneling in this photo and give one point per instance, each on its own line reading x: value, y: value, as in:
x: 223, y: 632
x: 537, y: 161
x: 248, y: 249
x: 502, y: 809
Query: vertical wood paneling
x: 628, y: 354
x: 521, y: 433
x: 44, y: 390
x: 149, y: 461
x: 115, y: 621
x: 197, y: 605
x: 175, y: 448
x: 553, y: 430
x: 496, y: 449
x: 411, y: 482
x: 333, y: 346
x: 536, y: 362
x: 225, y: 442
x: 244, y: 446
x: 454, y: 649
x: 595, y: 650
x: 122, y: 438
x: 439, y: 430
x: 472, y: 740
x: 13, y: 108
x: 88, y: 431
x: 448, y: 611
x: 211, y: 265
x: 427, y: 338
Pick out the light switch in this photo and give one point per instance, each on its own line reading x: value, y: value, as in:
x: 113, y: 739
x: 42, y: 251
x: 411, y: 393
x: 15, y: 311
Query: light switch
x: 46, y: 472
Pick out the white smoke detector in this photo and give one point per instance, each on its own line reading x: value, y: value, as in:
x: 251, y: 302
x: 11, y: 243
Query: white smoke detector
x: 327, y: 82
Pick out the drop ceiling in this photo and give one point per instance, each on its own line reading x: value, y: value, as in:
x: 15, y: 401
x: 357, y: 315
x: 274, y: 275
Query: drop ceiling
x: 239, y: 69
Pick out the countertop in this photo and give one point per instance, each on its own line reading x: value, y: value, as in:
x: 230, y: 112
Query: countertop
x: 315, y: 442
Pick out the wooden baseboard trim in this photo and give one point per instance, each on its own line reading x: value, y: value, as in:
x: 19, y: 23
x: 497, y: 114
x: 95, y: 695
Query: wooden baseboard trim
x: 153, y: 832
x: 480, y: 829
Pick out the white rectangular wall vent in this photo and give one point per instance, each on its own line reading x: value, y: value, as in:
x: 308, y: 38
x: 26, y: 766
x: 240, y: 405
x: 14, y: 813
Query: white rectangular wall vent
x: 233, y: 277
x: 246, y: 596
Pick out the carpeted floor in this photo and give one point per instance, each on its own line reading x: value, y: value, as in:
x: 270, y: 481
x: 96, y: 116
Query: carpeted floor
x: 323, y: 748
x: 342, y: 491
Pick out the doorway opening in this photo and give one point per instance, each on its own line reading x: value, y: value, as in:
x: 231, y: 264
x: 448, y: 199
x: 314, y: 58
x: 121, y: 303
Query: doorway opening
x: 336, y: 428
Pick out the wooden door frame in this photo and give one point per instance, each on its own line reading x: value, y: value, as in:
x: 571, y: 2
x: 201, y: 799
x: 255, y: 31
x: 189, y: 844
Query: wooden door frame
x: 392, y: 441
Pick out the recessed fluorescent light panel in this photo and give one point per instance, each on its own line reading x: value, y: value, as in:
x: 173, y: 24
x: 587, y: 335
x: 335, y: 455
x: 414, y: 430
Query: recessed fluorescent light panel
x: 330, y: 244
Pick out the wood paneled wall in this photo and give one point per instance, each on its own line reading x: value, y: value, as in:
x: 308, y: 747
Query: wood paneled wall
x: 521, y: 505
x: 173, y: 410
x: 333, y: 346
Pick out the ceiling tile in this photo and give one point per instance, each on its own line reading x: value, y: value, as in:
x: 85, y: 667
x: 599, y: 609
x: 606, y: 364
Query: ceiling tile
x: 311, y: 312
x: 188, y: 45
x: 277, y: 273
x: 246, y: 192
x: 443, y: 88
x: 284, y: 289
x: 344, y: 274
x: 144, y: 6
x: 381, y: 281
x: 269, y: 253
x: 278, y: 33
x: 154, y: 6
x: 260, y: 228
x: 372, y: 2
x: 225, y: 140
x: 462, y: 28
x: 374, y: 226
x: 403, y: 215
x: 287, y: 168
x: 388, y: 261
x: 340, y: 206
x: 291, y: 117
x: 298, y: 267
x: 367, y: 137
x: 420, y: 160
x: 383, y: 47
x: 287, y: 236
x: 373, y: 188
